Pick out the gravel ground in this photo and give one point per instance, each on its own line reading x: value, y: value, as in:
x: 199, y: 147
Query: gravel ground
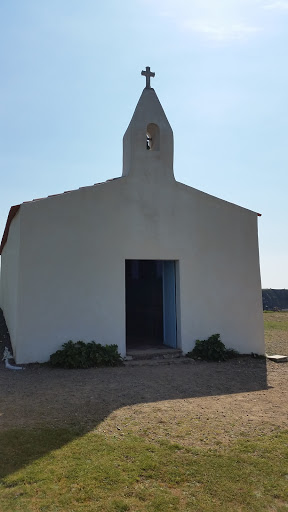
x: 195, y: 403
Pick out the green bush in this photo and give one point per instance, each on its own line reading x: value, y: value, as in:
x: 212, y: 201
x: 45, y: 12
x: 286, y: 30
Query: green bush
x: 85, y: 355
x: 211, y: 349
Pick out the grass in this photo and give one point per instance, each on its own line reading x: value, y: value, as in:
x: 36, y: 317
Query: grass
x: 60, y: 470
x: 97, y: 473
x: 276, y: 332
x: 277, y: 320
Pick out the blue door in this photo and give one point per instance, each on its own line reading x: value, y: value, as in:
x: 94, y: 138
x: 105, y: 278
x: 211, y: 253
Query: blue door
x: 169, y: 304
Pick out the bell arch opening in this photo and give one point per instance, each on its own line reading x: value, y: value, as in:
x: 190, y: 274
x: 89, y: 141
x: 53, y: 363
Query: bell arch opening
x: 152, y: 137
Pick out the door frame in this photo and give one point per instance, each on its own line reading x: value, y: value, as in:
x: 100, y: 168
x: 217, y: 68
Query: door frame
x: 176, y: 301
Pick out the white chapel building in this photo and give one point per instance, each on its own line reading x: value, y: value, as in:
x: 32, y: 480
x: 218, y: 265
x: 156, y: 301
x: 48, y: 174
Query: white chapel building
x: 141, y: 260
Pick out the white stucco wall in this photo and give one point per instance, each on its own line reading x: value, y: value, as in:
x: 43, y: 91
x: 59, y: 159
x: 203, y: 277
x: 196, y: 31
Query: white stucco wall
x: 73, y: 251
x: 9, y: 278
x: 71, y: 278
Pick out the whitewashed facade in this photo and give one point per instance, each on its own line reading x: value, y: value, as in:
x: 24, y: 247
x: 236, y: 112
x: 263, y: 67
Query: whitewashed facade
x: 63, y: 257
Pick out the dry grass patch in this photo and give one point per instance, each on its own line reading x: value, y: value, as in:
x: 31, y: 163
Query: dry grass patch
x: 276, y: 332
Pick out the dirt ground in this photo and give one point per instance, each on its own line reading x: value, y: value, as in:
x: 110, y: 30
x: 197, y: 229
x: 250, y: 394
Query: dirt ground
x: 195, y: 403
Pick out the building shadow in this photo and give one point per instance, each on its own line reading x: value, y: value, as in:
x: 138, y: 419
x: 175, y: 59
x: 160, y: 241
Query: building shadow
x: 44, y: 408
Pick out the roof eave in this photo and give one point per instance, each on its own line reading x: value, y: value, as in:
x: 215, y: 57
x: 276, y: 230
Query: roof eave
x: 13, y: 211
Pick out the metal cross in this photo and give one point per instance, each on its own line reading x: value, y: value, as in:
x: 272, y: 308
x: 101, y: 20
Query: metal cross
x: 148, y: 74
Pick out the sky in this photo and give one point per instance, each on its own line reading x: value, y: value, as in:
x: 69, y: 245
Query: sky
x: 71, y: 79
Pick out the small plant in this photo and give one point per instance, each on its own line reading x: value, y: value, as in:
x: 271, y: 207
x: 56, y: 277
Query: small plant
x: 257, y: 356
x: 211, y: 349
x: 85, y: 355
x: 231, y: 353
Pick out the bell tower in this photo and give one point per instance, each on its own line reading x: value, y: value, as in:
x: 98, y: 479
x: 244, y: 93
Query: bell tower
x: 148, y: 140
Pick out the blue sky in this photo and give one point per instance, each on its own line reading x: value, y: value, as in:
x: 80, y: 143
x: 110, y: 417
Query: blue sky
x: 71, y: 78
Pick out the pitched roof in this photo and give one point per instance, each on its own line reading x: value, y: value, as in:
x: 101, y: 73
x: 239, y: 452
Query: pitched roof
x: 13, y: 211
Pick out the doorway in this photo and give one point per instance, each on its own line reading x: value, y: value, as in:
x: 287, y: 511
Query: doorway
x: 150, y: 303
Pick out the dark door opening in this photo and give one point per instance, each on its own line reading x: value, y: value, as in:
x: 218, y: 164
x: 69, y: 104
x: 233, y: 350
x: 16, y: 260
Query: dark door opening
x: 150, y: 303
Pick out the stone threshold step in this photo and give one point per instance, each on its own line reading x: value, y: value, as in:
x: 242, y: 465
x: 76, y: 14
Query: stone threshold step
x: 157, y: 362
x: 157, y: 354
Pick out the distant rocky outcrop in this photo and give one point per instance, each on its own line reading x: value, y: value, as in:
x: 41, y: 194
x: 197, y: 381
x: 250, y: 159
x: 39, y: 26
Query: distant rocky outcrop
x: 274, y: 299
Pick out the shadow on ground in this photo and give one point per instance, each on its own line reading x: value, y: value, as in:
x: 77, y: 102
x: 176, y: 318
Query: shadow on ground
x: 38, y: 402
x: 49, y: 407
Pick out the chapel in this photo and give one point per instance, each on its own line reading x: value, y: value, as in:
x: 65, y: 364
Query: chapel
x: 138, y: 261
